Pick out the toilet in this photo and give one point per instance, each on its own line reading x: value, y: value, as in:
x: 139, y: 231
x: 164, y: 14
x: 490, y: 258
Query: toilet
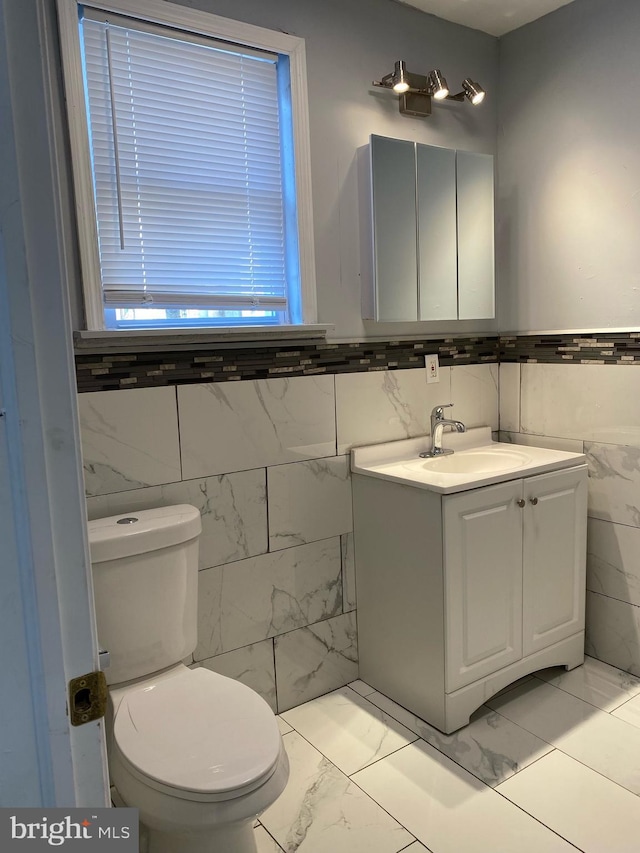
x: 199, y: 754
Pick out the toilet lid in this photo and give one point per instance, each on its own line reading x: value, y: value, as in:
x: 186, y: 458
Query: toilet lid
x: 198, y: 731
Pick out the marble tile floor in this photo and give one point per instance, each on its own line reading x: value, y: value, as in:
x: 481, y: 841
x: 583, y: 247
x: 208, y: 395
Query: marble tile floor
x: 549, y: 765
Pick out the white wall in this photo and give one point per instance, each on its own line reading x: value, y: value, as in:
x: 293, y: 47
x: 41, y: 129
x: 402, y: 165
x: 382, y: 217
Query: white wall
x: 348, y: 45
x: 569, y: 171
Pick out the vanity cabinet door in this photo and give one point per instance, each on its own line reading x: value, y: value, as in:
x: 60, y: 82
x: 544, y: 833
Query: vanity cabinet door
x: 483, y: 581
x: 554, y: 557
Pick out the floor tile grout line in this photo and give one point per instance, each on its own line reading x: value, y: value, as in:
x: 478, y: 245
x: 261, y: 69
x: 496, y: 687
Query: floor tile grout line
x: 553, y: 748
x: 611, y: 666
x: 373, y: 799
x: 275, y: 840
x: 424, y: 740
x: 611, y: 521
x: 533, y: 817
x: 614, y: 598
x: 352, y: 781
x: 582, y: 699
x: 382, y: 757
x: 366, y: 766
x: 636, y: 696
x: 364, y: 695
x: 415, y: 841
x: 535, y: 761
x: 567, y: 754
x: 489, y: 788
x: 598, y: 772
x: 591, y: 704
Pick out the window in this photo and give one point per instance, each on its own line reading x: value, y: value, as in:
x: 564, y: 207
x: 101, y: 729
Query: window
x: 190, y: 154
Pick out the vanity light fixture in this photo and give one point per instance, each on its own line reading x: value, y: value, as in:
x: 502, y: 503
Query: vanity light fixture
x: 438, y: 85
x: 473, y: 91
x: 398, y: 79
x: 417, y: 90
x: 400, y: 82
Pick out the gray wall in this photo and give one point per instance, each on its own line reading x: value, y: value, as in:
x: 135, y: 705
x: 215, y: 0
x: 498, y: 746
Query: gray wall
x: 568, y: 258
x: 348, y: 45
x: 569, y: 171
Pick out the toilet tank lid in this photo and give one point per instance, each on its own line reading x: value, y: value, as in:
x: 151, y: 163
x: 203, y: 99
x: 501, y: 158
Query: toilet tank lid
x: 139, y: 532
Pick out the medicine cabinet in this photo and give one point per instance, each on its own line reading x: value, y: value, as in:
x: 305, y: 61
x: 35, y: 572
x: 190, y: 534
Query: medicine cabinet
x: 433, y: 233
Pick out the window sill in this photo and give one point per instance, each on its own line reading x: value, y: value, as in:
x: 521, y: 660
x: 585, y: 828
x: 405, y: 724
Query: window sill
x: 154, y: 340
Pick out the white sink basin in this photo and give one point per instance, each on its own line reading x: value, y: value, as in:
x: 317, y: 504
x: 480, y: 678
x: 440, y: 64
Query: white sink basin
x: 486, y: 460
x: 476, y: 461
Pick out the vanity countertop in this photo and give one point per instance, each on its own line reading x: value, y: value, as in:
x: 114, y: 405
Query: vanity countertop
x: 476, y: 461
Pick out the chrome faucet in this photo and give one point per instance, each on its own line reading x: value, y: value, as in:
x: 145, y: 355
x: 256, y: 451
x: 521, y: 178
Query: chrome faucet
x: 438, y: 423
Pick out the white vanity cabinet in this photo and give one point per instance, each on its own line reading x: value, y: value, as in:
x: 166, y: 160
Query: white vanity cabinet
x: 461, y: 594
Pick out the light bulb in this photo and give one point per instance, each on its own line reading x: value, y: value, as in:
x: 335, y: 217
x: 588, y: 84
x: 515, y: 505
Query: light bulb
x: 438, y: 85
x: 473, y: 91
x: 400, y: 83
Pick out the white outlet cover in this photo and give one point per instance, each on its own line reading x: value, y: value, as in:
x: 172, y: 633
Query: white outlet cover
x: 432, y: 364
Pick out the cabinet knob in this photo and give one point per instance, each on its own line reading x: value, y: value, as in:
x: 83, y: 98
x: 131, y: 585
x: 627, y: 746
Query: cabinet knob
x: 521, y: 503
x: 534, y: 501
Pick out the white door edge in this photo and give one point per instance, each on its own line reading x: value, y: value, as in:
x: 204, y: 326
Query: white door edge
x: 53, y: 635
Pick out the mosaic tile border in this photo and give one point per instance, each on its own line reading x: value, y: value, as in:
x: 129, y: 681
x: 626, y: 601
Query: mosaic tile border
x: 106, y: 372
x: 588, y: 348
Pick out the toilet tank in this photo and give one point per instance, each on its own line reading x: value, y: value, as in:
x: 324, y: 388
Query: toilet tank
x: 145, y: 578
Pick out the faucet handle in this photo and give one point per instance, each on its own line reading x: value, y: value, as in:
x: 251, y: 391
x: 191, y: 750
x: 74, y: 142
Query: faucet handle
x: 437, y: 412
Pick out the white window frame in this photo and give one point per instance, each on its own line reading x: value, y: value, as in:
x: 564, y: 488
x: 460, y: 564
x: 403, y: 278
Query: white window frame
x: 208, y: 25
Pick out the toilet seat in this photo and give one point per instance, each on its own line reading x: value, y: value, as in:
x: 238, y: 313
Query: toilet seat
x: 197, y: 735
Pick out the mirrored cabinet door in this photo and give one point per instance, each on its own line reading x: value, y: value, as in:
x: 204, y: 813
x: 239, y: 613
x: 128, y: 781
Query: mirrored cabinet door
x: 433, y: 233
x: 393, y: 172
x: 475, y: 236
x: 437, y: 263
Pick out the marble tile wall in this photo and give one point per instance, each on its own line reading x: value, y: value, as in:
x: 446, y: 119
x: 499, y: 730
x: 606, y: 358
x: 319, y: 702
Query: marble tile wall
x: 267, y: 463
x: 595, y: 409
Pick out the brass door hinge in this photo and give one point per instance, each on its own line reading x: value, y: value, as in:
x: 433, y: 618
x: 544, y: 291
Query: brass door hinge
x: 87, y: 698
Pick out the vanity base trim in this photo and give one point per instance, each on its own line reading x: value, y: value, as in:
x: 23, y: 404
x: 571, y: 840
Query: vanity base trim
x: 459, y: 706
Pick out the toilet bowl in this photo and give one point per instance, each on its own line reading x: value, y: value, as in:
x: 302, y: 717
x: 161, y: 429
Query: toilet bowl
x: 199, y: 754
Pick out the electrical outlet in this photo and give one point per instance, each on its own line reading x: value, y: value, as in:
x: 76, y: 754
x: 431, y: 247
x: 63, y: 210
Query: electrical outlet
x: 433, y: 368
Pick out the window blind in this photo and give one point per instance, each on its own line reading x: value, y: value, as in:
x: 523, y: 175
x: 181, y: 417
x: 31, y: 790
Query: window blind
x: 186, y: 154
